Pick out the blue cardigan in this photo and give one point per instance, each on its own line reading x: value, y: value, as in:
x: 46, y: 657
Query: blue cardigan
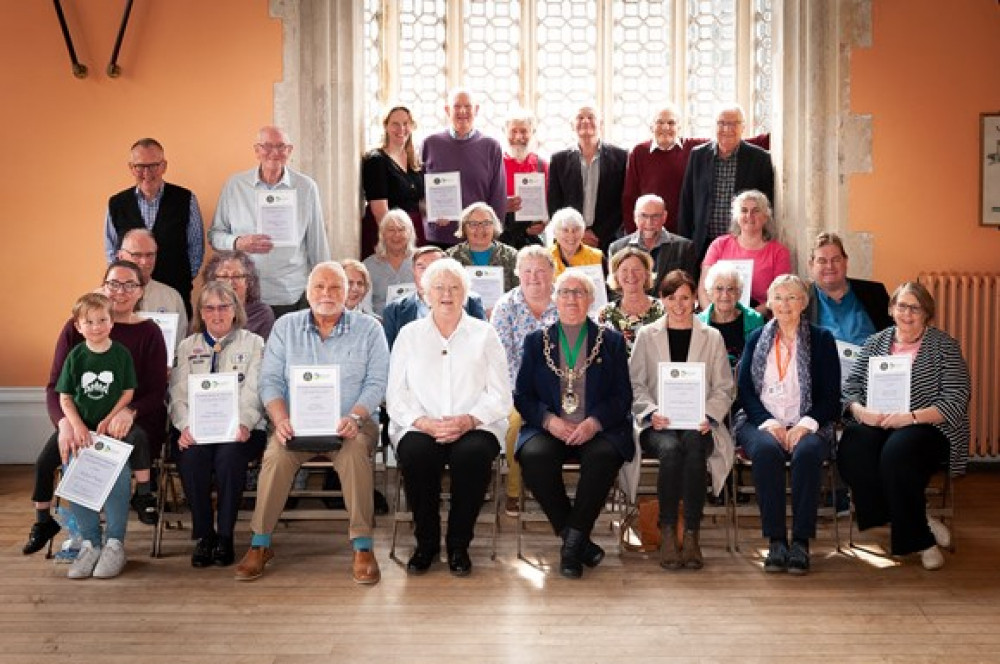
x: 609, y: 390
x: 824, y: 367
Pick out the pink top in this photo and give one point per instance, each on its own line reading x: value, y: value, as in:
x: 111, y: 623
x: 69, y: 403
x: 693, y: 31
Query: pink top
x: 769, y: 261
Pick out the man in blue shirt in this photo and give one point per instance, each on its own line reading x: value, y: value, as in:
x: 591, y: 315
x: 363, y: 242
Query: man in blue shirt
x: 324, y: 334
x: 852, y: 309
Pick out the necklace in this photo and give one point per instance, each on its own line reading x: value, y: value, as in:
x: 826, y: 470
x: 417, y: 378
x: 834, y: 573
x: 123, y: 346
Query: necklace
x: 570, y: 401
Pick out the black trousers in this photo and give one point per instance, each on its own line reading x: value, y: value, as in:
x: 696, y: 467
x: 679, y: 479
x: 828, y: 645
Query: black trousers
x: 422, y: 461
x: 227, y: 463
x: 683, y: 456
x: 542, y: 458
x: 888, y: 471
x: 48, y: 462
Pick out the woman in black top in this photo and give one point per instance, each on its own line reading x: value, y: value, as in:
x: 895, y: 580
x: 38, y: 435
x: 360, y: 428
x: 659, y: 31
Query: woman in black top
x: 391, y: 178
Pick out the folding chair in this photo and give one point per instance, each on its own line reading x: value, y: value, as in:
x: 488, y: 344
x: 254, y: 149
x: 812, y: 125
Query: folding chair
x: 532, y: 512
x: 742, y: 466
x: 489, y: 515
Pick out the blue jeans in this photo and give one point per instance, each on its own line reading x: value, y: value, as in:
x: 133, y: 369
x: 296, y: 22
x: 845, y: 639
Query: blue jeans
x: 768, y: 458
x: 116, y: 509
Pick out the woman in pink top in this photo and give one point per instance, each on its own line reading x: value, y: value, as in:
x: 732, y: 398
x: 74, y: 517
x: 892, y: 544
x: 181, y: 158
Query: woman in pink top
x: 751, y: 237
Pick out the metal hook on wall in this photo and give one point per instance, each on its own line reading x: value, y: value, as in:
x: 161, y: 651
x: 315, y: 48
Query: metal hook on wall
x: 79, y: 70
x: 114, y: 71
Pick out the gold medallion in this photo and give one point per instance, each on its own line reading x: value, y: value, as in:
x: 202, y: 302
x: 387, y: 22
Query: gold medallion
x: 570, y: 403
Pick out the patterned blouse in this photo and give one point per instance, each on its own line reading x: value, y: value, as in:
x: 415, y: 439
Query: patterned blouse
x: 513, y: 320
x: 613, y: 316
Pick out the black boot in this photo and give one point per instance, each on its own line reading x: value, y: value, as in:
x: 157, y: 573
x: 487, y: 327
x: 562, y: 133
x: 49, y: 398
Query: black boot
x: 570, y: 565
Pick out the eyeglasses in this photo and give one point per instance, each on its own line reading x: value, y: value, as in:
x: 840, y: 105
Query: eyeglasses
x: 571, y: 293
x: 231, y: 277
x: 651, y: 217
x: 485, y: 223
x: 723, y: 124
x: 727, y: 290
x: 140, y: 255
x: 147, y: 167
x: 904, y: 308
x: 274, y: 147
x: 216, y: 308
x: 787, y: 298
x: 122, y: 286
x: 823, y: 262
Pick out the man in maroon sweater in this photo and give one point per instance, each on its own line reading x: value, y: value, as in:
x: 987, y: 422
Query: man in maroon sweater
x: 657, y: 166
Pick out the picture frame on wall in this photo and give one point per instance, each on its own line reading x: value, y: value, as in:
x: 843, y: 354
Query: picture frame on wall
x: 989, y: 169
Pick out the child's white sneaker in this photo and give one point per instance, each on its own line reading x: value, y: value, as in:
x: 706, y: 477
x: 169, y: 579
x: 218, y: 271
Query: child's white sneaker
x: 112, y: 560
x: 86, y: 561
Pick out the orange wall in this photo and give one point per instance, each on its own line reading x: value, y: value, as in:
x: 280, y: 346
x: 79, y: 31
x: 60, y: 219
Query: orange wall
x: 932, y: 69
x: 197, y: 75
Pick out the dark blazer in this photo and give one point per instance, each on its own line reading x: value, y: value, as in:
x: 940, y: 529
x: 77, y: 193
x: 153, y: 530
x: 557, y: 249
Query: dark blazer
x: 566, y: 188
x: 824, y: 368
x: 404, y: 310
x: 753, y: 171
x: 609, y: 390
x: 872, y: 296
x: 675, y: 253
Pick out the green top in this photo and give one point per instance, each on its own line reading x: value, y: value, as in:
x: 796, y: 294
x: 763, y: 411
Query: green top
x: 96, y: 380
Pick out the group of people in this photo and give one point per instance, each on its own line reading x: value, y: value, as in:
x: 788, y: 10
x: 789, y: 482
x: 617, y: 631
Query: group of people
x: 546, y: 370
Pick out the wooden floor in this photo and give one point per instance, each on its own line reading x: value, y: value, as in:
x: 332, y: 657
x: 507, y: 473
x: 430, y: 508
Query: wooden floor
x: 853, y: 607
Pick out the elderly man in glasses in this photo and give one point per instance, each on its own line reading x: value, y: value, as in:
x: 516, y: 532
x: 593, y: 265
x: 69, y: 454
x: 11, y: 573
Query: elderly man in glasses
x: 139, y: 246
x: 273, y: 213
x: 716, y: 172
x: 169, y: 212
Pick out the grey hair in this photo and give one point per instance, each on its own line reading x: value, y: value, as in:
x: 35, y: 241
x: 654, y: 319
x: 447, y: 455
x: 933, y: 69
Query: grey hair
x: 478, y: 207
x: 534, y: 252
x: 567, y: 214
x: 400, y: 217
x: 788, y: 280
x: 579, y: 275
x: 723, y: 271
x: 760, y: 198
x: 448, y: 266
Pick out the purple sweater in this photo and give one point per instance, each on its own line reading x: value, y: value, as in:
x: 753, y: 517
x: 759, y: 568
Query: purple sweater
x: 479, y: 159
x: 149, y: 354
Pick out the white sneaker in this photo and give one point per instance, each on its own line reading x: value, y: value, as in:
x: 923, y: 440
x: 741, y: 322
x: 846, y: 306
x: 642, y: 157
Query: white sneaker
x: 940, y: 531
x: 932, y: 558
x: 112, y: 560
x: 86, y: 560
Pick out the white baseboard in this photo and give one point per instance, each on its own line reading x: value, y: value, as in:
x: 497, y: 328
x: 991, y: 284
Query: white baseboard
x: 24, y: 424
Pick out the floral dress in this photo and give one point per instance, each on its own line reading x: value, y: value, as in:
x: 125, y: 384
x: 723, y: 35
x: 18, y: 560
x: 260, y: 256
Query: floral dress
x: 613, y: 316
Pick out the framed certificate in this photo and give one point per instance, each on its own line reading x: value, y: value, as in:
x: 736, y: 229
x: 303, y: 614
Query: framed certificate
x: 315, y: 399
x: 93, y: 471
x: 487, y: 282
x: 889, y: 379
x: 443, y: 193
x: 214, y: 407
x: 531, y: 188
x: 681, y: 393
x: 168, y: 323
x: 277, y: 216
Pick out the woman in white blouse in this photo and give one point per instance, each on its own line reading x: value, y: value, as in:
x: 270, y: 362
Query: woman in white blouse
x: 449, y: 397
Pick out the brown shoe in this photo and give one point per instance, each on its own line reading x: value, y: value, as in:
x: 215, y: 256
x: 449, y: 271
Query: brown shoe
x: 691, y: 551
x: 512, y: 506
x: 670, y: 550
x: 366, y: 568
x: 252, y: 565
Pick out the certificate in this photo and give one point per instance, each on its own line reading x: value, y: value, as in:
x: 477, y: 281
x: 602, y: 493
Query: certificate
x: 596, y: 274
x: 443, y: 193
x: 315, y: 399
x: 681, y: 393
x: 487, y: 282
x: 847, y: 353
x: 168, y: 326
x: 531, y: 188
x: 214, y: 407
x: 93, y: 471
x: 889, y: 383
x: 745, y: 269
x: 277, y: 216
x: 395, y: 292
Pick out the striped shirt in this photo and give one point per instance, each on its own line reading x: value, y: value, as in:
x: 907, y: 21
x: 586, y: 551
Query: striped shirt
x: 940, y: 379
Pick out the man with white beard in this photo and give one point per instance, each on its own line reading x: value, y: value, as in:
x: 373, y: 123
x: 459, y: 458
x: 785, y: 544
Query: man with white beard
x: 518, y: 159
